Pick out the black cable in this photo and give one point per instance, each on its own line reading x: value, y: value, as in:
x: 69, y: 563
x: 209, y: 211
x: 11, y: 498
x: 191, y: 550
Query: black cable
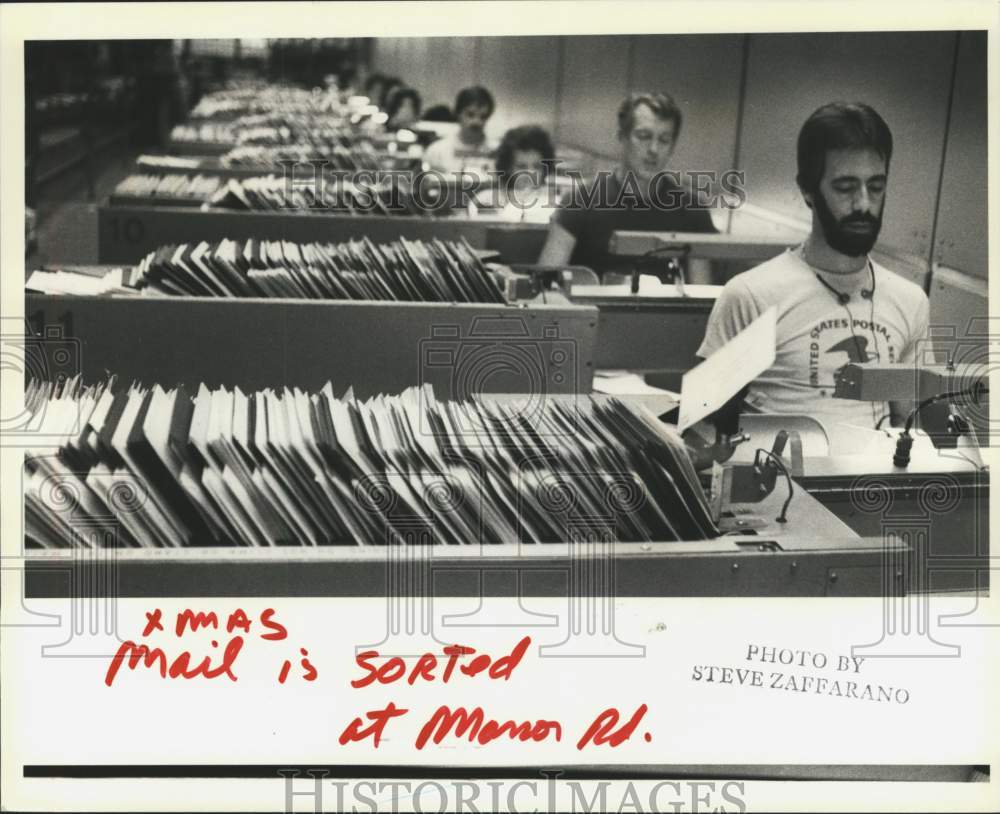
x: 904, y: 443
x: 844, y: 298
x: 871, y: 313
x: 953, y: 394
x: 783, y: 517
x: 871, y: 331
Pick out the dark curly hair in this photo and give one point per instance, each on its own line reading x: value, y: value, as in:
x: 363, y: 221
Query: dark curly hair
x: 396, y: 98
x: 528, y: 137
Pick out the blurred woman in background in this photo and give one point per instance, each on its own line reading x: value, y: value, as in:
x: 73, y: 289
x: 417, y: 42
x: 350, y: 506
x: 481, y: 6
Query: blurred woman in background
x: 403, y: 107
x: 525, y: 175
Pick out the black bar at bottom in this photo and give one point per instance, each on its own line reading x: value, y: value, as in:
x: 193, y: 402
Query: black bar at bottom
x: 922, y: 773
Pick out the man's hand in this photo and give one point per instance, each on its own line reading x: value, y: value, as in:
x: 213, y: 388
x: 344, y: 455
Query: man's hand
x: 727, y: 418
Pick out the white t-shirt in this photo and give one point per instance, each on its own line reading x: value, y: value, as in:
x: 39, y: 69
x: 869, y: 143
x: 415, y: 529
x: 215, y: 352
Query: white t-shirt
x: 535, y: 205
x: 450, y: 154
x: 814, y: 334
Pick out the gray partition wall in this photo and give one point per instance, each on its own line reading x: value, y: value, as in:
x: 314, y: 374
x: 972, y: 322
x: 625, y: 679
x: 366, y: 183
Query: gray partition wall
x: 374, y: 347
x: 962, y: 228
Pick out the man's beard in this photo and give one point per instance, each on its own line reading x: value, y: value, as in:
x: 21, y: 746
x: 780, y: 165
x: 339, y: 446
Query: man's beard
x: 845, y: 241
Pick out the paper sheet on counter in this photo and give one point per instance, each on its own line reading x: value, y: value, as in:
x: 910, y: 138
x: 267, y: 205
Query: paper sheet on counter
x: 716, y: 380
x: 625, y: 383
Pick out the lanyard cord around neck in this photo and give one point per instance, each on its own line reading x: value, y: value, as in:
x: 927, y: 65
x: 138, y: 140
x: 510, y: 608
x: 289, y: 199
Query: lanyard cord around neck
x: 844, y: 299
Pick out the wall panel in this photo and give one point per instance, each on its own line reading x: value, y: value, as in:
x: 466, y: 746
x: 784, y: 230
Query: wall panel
x: 387, y: 56
x: 450, y: 65
x: 438, y: 67
x: 956, y: 300
x: 905, y: 76
x: 962, y: 212
x: 522, y: 73
x: 702, y: 73
x: 594, y: 81
x: 415, y: 51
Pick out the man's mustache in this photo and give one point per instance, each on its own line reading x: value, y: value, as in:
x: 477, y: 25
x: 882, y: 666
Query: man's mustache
x: 865, y: 220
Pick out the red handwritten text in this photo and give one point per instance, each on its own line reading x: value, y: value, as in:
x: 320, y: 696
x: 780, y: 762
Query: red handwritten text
x: 446, y: 721
x: 395, y: 668
x: 601, y: 730
x: 180, y: 667
x: 379, y: 717
x: 189, y: 621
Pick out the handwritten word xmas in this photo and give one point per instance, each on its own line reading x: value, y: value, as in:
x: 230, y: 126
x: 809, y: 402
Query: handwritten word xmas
x: 219, y: 662
x: 461, y: 722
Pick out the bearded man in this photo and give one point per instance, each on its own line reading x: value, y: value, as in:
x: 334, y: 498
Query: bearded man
x: 835, y: 304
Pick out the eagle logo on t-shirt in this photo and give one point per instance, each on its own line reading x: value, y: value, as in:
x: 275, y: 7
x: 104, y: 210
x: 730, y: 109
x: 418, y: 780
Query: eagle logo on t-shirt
x: 856, y: 348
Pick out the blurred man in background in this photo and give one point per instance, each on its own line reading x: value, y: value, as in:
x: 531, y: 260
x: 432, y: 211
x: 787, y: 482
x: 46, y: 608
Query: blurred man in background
x: 468, y: 149
x: 638, y: 196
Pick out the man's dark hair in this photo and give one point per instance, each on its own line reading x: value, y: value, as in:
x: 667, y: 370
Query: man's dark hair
x: 838, y: 126
x: 477, y: 96
x: 528, y: 137
x: 395, y: 100
x: 662, y: 105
